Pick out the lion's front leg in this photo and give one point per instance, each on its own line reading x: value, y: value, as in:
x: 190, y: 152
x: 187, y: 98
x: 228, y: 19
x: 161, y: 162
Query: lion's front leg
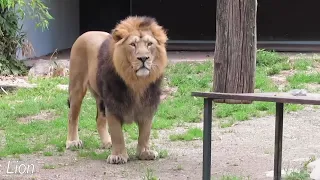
x: 119, y: 153
x: 143, y: 149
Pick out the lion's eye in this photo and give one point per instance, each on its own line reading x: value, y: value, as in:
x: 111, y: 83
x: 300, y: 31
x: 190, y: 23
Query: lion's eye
x: 133, y: 44
x: 149, y: 44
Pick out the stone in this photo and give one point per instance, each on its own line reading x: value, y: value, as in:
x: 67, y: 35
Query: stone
x: 8, y: 83
x: 314, y: 168
x: 283, y: 172
x: 49, y: 68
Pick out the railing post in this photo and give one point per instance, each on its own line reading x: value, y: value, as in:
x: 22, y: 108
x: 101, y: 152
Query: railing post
x: 207, y: 126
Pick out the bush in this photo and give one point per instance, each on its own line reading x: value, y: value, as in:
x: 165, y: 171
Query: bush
x: 12, y: 37
x: 269, y: 58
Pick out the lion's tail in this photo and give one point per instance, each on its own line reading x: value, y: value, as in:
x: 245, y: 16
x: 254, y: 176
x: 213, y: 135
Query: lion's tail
x: 68, y: 102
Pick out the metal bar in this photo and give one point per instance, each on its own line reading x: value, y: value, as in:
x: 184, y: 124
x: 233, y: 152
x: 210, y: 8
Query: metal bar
x: 278, y: 141
x: 131, y: 8
x: 259, y: 42
x: 207, y: 124
x: 279, y: 46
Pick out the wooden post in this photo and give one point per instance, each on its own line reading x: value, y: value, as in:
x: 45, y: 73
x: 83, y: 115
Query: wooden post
x: 235, y: 49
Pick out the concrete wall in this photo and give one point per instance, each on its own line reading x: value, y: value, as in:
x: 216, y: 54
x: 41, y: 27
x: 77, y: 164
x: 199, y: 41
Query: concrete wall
x: 62, y: 32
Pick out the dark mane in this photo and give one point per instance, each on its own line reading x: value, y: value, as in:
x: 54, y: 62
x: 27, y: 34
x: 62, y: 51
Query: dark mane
x: 117, y: 97
x: 147, y: 21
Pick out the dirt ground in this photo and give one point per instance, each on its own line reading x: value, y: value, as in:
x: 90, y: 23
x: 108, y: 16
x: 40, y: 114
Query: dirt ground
x: 245, y: 149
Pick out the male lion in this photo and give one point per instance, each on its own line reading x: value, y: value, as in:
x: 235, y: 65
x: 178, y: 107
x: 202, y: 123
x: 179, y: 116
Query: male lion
x: 123, y: 71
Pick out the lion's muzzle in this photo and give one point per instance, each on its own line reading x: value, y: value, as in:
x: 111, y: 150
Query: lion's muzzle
x: 144, y: 69
x: 143, y: 58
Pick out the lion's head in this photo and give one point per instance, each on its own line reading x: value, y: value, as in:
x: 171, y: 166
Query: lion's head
x: 139, y: 53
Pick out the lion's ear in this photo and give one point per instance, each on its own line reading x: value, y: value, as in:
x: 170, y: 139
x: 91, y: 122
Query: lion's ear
x: 117, y: 34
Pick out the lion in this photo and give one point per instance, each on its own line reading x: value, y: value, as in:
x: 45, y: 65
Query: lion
x: 123, y: 71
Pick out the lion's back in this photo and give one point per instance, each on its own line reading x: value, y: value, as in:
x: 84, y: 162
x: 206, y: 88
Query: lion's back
x: 88, y: 43
x: 84, y: 57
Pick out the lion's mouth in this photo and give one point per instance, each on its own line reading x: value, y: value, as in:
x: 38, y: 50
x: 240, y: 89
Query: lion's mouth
x: 143, y: 71
x: 143, y: 67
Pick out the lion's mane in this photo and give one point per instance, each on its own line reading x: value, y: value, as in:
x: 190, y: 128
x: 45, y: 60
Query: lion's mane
x: 123, y: 93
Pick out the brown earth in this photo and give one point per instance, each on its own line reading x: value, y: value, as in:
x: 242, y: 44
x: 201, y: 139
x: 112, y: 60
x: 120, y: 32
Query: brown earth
x: 242, y: 150
x: 245, y: 149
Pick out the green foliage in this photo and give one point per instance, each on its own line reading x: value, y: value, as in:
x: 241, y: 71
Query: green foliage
x: 269, y: 58
x: 272, y: 62
x: 191, y: 134
x: 12, y: 37
x: 303, y: 64
x: 301, y: 175
x: 35, y: 9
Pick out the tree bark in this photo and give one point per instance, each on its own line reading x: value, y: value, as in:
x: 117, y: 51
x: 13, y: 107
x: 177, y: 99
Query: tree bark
x: 235, y: 49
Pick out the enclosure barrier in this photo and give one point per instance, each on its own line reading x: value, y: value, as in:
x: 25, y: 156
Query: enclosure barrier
x: 278, y: 98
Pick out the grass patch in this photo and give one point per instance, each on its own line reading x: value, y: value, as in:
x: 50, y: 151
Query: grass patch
x: 300, y: 79
x: 174, y: 111
x: 301, y: 175
x: 303, y: 64
x: 179, y: 167
x: 270, y: 58
x: 48, y: 153
x: 189, y: 135
x: 163, y: 153
x: 311, y: 159
x: 49, y: 166
x: 272, y: 62
x: 149, y: 175
x: 94, y: 155
x: 183, y: 107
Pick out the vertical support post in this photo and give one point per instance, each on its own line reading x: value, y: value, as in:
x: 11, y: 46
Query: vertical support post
x: 235, y: 48
x: 278, y: 141
x: 130, y: 7
x: 207, y: 125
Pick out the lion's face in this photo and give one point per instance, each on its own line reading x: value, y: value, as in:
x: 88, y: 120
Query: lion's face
x: 139, y: 50
x: 142, y: 52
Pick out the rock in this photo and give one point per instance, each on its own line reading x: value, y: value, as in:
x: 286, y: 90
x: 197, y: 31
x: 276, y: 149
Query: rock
x: 298, y: 92
x: 8, y: 83
x: 283, y: 172
x: 49, y: 68
x: 12, y: 86
x: 314, y: 167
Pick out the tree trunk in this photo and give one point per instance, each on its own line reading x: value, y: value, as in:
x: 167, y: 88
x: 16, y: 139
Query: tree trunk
x: 235, y: 49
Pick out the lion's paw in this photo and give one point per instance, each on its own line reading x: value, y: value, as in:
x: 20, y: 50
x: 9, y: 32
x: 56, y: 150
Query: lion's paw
x: 75, y: 143
x: 148, y: 155
x: 107, y: 145
x: 117, y: 159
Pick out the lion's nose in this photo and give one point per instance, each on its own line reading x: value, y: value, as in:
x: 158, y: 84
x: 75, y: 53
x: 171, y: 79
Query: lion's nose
x: 143, y: 58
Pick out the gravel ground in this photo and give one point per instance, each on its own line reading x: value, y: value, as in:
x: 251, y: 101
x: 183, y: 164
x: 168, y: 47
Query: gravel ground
x: 245, y: 149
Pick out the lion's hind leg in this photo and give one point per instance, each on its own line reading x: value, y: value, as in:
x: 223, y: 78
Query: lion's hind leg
x: 76, y: 96
x: 102, y: 125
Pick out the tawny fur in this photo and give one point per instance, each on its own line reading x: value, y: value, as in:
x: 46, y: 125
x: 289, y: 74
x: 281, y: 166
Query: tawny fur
x: 83, y: 75
x: 135, y: 26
